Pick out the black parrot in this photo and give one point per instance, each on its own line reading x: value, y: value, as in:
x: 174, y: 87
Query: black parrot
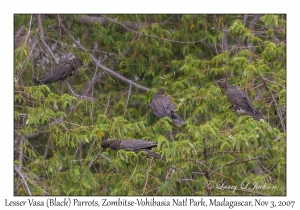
x: 162, y: 106
x: 61, y: 71
x: 240, y: 100
x: 132, y: 145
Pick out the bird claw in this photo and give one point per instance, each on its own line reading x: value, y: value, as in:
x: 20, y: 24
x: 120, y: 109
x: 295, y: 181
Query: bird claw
x: 240, y: 111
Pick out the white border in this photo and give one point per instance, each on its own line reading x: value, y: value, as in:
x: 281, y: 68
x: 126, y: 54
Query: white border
x: 153, y: 7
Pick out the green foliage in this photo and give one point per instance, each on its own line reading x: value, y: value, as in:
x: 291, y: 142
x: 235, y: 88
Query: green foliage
x: 62, y: 129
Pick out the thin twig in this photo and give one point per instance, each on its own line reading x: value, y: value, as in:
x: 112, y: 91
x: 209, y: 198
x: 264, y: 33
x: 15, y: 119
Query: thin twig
x: 243, y: 161
x: 277, y: 107
x: 91, y: 83
x: 172, y: 169
x: 81, y: 97
x: 106, y: 158
x: 258, y: 161
x: 25, y: 139
x: 245, y: 17
x: 185, y: 179
x: 113, y: 73
x: 19, y: 36
x: 93, y: 161
x: 98, y: 64
x: 21, y: 148
x: 29, y: 28
x: 273, y: 82
x: 43, y: 37
x: 75, y: 154
x: 93, y: 94
x: 47, y: 148
x: 128, y: 96
x: 147, y: 176
x: 152, y: 190
x: 211, y: 153
x: 32, y: 47
x: 18, y: 170
x: 251, y: 26
x: 156, y: 37
x: 137, y: 161
x: 107, y: 104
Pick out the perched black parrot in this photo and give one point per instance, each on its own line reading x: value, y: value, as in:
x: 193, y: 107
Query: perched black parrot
x: 61, y: 71
x: 132, y: 145
x: 240, y: 100
x: 162, y: 106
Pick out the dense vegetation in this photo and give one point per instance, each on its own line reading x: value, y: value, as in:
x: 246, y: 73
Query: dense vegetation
x: 59, y: 128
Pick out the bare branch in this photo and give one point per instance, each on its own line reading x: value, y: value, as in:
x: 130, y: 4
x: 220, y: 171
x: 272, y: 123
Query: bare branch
x: 137, y: 162
x: 107, y: 159
x: 273, y: 82
x: 245, y: 19
x: 21, y: 147
x: 156, y: 37
x: 103, y: 20
x: 32, y: 47
x: 148, y: 172
x: 230, y: 152
x: 29, y: 29
x: 253, y: 22
x: 94, y: 160
x: 96, y: 79
x: 113, y: 73
x: 225, y: 37
x: 128, y: 96
x: 243, y: 161
x: 19, y: 36
x: 98, y: 64
x: 107, y: 104
x: 275, y: 102
x: 40, y: 130
x: 251, y: 26
x: 47, y: 148
x: 81, y: 97
x: 18, y: 170
x: 43, y: 37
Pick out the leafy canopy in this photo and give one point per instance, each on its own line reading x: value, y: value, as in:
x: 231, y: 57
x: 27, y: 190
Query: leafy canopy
x: 59, y: 127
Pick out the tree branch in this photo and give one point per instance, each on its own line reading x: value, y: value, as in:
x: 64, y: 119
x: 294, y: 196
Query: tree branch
x: 156, y: 37
x: 94, y: 160
x: 128, y: 96
x: 251, y: 26
x: 118, y: 75
x: 18, y: 170
x: 107, y: 104
x: 29, y: 28
x: 81, y: 97
x: 19, y: 36
x: 103, y: 20
x: 43, y: 37
x: 245, y: 17
x: 277, y: 107
x: 148, y: 172
x: 225, y: 37
x: 98, y: 64
x: 47, y: 148
x: 243, y: 161
x: 253, y: 22
x: 32, y: 47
